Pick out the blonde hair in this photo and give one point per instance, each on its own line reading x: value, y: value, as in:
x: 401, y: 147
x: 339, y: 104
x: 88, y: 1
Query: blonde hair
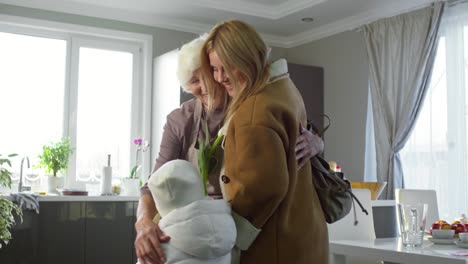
x: 243, y: 53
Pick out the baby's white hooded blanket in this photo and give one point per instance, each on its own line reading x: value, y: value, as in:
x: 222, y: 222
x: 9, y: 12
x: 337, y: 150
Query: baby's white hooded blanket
x: 201, y: 232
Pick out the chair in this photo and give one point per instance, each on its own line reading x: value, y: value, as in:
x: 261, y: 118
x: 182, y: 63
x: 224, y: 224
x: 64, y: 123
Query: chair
x: 420, y: 196
x: 344, y: 229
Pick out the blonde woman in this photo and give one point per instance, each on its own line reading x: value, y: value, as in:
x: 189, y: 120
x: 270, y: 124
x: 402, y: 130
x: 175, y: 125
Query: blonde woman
x: 261, y: 179
x: 184, y: 126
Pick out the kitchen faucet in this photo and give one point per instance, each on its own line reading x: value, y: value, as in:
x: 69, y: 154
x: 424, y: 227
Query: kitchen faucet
x: 20, y: 185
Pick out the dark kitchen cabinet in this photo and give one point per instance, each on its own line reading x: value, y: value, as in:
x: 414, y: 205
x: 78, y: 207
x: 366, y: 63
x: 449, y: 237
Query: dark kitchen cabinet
x: 91, y: 232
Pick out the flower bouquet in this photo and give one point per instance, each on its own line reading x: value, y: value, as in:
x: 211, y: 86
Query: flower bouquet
x: 206, y: 160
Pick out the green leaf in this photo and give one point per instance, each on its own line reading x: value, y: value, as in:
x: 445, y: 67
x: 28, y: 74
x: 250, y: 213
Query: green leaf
x: 5, y: 173
x: 216, y: 144
x: 7, y: 212
x: 206, y: 159
x: 133, y: 172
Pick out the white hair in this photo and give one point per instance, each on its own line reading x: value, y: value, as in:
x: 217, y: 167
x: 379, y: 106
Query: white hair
x: 189, y: 60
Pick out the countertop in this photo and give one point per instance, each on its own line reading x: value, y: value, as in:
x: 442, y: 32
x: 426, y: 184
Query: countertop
x: 116, y: 198
x: 76, y: 198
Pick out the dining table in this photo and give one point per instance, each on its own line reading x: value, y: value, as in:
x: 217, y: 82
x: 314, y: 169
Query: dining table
x: 392, y: 250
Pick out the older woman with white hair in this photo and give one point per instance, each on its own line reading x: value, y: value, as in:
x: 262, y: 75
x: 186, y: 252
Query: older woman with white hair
x: 184, y: 127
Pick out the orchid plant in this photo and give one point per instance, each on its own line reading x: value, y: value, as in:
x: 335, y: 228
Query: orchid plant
x: 139, y: 147
x: 206, y: 160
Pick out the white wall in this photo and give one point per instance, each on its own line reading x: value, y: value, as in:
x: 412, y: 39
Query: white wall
x: 344, y: 60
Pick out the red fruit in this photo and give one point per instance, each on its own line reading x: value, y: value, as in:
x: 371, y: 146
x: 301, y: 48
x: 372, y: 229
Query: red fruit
x: 466, y: 227
x: 459, y: 228
x: 436, y: 225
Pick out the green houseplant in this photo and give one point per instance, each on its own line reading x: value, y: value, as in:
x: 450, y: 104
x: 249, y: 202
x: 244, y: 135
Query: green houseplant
x: 55, y: 156
x: 7, y: 208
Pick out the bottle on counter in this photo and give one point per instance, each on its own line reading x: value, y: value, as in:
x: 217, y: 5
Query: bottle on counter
x: 106, y: 180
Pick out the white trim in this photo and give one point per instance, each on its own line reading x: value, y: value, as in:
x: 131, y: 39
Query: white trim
x: 89, y: 35
x: 72, y: 109
x: 66, y: 28
x: 285, y: 8
x: 243, y: 7
x: 259, y: 10
x: 119, y: 15
x: 147, y: 64
x: 349, y: 23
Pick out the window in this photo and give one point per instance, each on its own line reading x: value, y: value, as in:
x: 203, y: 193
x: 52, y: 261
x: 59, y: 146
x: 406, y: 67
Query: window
x: 90, y: 88
x: 104, y: 107
x: 435, y: 156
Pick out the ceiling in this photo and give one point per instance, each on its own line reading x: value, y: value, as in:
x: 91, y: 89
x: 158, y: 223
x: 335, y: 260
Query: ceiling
x: 279, y: 21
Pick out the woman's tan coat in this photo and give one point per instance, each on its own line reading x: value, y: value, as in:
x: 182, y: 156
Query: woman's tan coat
x: 262, y: 182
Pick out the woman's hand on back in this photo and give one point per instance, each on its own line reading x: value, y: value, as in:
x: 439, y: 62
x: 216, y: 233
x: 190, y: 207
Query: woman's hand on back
x: 147, y: 243
x: 307, y: 145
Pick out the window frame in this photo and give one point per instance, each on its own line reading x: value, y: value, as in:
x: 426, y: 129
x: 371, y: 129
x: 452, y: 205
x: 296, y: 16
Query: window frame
x: 78, y: 36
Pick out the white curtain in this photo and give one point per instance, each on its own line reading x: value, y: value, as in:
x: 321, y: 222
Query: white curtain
x: 401, y: 53
x: 435, y: 156
x: 370, y: 166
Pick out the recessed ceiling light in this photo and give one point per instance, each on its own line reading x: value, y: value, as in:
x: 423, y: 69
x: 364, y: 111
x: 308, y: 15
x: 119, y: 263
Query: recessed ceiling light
x: 307, y: 19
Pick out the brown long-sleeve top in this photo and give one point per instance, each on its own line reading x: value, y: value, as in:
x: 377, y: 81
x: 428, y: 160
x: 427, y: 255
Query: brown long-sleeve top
x: 176, y: 138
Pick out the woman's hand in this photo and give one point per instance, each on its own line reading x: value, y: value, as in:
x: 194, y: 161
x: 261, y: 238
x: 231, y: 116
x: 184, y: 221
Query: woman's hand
x: 147, y: 243
x: 307, y: 146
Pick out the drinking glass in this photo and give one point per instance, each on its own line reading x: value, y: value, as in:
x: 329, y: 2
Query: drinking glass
x: 412, y: 220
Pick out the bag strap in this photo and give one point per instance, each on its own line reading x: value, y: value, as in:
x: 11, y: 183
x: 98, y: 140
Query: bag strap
x: 354, y: 207
x: 315, y: 129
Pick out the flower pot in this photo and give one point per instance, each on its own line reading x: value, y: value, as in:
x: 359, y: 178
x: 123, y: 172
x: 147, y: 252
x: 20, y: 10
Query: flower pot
x: 53, y: 183
x: 130, y: 187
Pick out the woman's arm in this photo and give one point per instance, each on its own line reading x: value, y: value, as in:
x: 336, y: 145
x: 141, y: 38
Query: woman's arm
x: 148, y: 234
x: 257, y: 168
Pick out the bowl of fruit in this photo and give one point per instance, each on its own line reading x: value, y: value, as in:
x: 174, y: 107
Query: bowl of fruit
x: 455, y: 227
x: 443, y: 233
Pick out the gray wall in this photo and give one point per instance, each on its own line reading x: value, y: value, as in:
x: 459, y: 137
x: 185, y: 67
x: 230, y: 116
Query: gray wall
x: 343, y: 58
x: 278, y: 53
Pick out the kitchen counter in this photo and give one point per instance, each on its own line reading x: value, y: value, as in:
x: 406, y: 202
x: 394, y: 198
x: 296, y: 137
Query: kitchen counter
x: 77, y: 198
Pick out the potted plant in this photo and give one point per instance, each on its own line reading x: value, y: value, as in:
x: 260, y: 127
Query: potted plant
x: 7, y: 208
x: 54, y: 159
x: 131, y: 184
